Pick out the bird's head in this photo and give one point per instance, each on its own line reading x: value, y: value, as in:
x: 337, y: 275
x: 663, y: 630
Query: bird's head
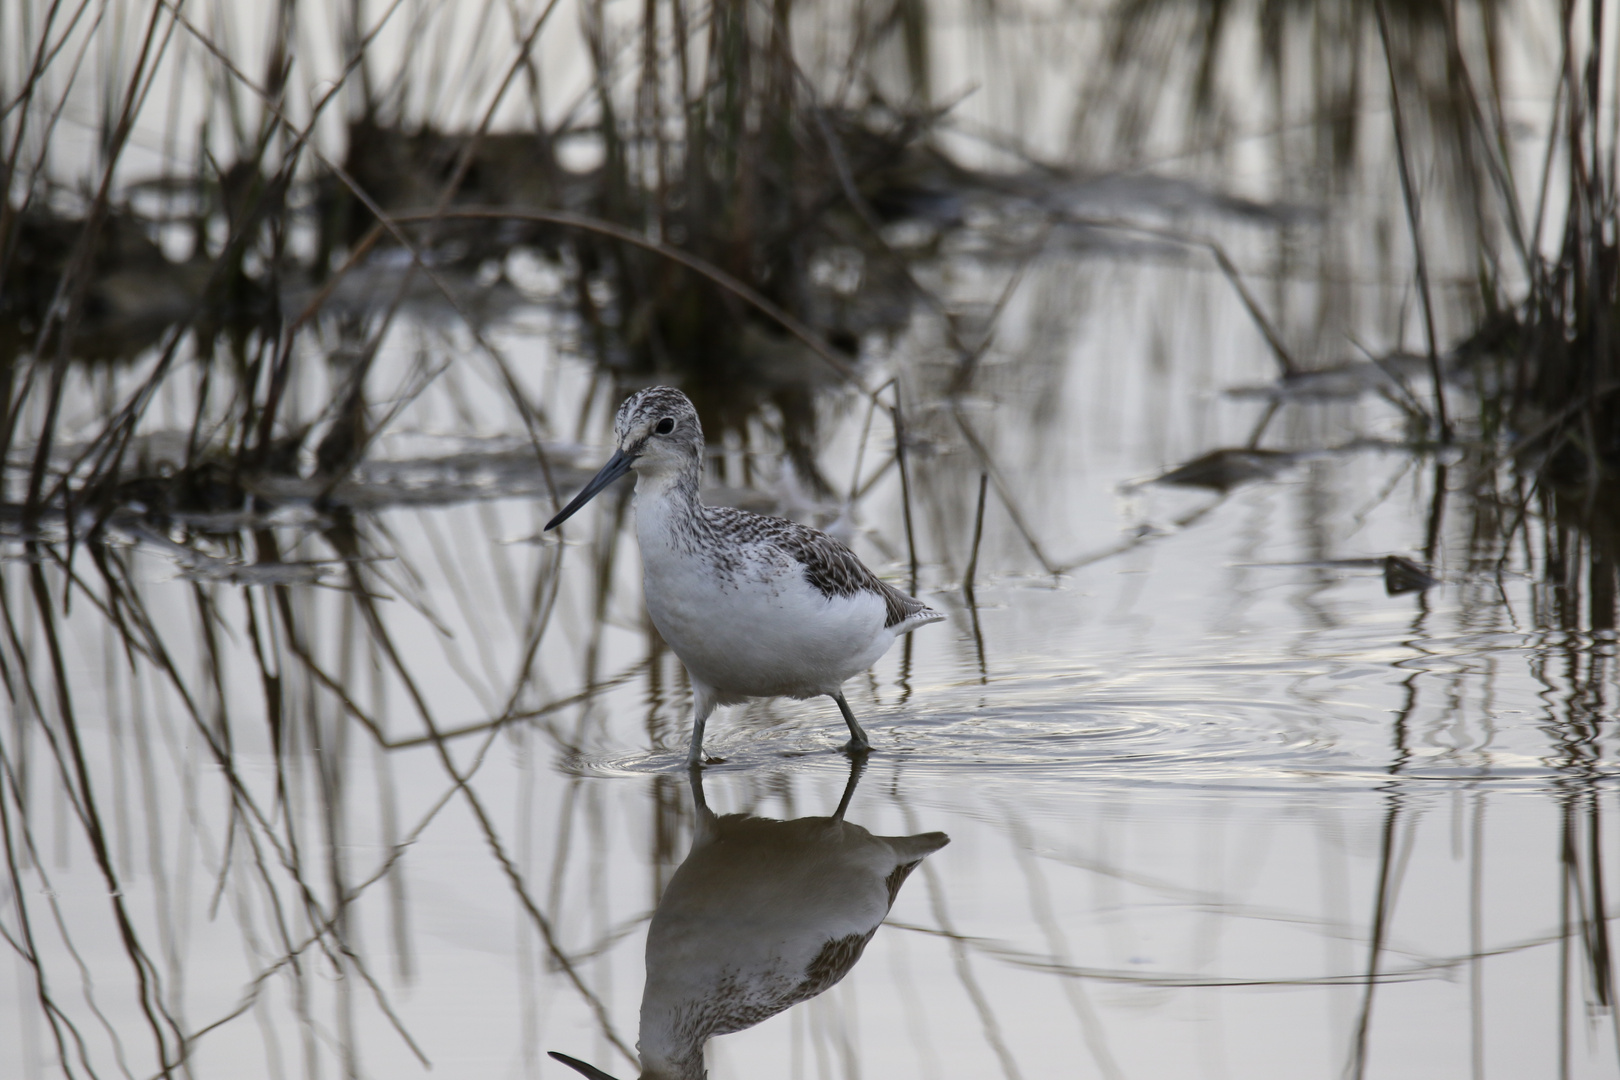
x: 656, y: 433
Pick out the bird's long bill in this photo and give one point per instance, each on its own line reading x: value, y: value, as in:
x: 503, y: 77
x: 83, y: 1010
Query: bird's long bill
x: 617, y: 466
x: 581, y: 1067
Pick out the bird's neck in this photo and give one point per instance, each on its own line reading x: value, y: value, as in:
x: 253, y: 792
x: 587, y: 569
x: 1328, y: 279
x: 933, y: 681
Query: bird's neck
x: 670, y: 525
x: 668, y: 497
x: 669, y: 1048
x: 676, y: 486
x: 687, y: 1068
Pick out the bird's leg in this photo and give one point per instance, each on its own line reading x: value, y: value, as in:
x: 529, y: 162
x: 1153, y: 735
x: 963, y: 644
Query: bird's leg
x: 702, y: 706
x: 857, y: 738
x: 694, y: 756
x: 857, y: 765
x: 704, y: 827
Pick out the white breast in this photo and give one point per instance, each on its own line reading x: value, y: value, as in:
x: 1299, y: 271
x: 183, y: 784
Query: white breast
x: 747, y: 622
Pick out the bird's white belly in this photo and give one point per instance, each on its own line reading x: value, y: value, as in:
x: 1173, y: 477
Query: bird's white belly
x: 761, y: 629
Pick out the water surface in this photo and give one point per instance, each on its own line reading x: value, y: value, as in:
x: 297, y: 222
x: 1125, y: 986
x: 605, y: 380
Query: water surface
x: 389, y: 781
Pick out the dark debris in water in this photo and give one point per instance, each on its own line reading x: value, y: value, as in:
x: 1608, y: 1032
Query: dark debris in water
x: 1401, y: 575
x: 1223, y: 470
x: 1227, y: 468
x: 1398, y: 373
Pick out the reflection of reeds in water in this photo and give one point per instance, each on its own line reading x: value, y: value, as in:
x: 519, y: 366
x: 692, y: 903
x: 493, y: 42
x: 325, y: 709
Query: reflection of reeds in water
x: 1577, y: 678
x: 294, y: 744
x: 314, y: 785
x: 1543, y: 437
x: 176, y: 758
x: 725, y: 150
x: 271, y: 701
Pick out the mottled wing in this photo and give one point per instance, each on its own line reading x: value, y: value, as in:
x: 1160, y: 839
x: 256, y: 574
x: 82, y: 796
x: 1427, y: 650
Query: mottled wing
x: 830, y: 567
x: 830, y: 964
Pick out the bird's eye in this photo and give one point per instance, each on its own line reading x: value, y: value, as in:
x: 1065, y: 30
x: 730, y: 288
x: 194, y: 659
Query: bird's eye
x: 665, y: 426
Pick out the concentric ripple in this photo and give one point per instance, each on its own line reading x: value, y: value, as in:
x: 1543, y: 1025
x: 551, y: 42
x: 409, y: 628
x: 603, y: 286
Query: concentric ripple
x: 1224, y: 724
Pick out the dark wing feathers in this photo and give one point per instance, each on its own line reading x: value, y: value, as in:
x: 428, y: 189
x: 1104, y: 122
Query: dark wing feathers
x: 830, y: 567
x: 834, y: 570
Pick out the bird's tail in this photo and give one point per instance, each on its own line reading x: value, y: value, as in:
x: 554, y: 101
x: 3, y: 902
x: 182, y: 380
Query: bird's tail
x: 921, y: 617
x: 911, y: 849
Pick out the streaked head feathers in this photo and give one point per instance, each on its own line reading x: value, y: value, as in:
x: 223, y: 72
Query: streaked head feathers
x: 656, y: 432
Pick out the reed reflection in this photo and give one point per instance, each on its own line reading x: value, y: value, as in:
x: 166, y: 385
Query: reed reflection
x: 762, y: 915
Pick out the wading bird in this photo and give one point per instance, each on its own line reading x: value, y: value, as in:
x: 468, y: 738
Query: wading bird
x: 763, y: 914
x: 754, y: 606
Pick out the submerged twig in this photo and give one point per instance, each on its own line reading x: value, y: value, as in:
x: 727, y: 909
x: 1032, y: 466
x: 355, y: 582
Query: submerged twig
x: 968, y: 578
x: 1002, y: 491
x: 905, y: 485
x: 978, y: 535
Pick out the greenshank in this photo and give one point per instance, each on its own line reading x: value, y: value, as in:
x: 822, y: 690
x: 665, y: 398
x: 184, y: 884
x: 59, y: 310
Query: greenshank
x: 763, y: 914
x: 754, y: 606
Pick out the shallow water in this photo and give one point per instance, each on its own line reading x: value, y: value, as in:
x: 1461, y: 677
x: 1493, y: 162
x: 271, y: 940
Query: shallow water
x: 397, y: 783
x: 1218, y: 804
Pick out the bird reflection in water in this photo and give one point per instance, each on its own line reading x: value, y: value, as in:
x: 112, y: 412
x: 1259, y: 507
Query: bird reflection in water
x: 763, y: 914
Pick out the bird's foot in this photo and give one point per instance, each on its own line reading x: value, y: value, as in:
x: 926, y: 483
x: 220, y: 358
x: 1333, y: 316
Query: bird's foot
x: 701, y: 762
x: 856, y: 749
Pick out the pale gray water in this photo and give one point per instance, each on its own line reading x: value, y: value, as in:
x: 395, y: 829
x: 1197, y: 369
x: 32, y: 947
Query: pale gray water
x: 1219, y: 805
x: 1173, y: 786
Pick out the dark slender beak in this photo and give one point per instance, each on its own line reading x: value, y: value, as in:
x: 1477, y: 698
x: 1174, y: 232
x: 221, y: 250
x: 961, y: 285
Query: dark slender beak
x: 579, y: 1066
x: 617, y: 466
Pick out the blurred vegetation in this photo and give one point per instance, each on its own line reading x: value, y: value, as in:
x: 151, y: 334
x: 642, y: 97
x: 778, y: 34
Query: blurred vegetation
x: 726, y: 213
x: 1525, y: 384
x: 745, y: 199
x: 721, y: 147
